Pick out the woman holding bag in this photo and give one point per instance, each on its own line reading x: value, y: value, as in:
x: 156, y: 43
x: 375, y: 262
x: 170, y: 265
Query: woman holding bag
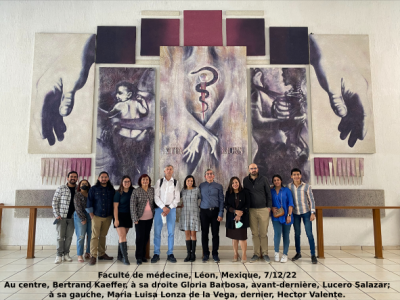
x: 282, y: 206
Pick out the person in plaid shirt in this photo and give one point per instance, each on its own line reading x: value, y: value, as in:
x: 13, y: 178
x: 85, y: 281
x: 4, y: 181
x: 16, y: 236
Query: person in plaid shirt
x: 304, y: 208
x: 63, y: 210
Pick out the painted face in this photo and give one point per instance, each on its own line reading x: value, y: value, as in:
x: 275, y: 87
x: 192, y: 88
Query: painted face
x: 296, y: 176
x: 189, y: 182
x: 168, y: 171
x: 123, y: 94
x: 145, y: 181
x: 209, y: 176
x: 72, y: 178
x: 253, y: 169
x: 277, y: 182
x: 235, y: 184
x: 103, y: 178
x: 126, y: 183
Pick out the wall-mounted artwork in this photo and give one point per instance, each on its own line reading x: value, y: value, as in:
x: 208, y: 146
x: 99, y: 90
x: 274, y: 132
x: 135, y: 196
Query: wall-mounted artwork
x: 280, y: 121
x: 341, y: 95
x: 116, y: 44
x: 202, y: 27
x: 55, y: 170
x: 203, y: 120
x: 288, y: 45
x: 62, y: 93
x: 125, y: 123
x: 339, y: 170
x: 246, y: 32
x: 156, y: 33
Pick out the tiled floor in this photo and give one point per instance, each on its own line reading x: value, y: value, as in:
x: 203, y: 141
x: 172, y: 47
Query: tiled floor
x: 339, y: 267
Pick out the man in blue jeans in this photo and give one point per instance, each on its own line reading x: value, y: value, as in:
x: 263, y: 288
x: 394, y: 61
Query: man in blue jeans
x: 304, y: 208
x: 166, y: 198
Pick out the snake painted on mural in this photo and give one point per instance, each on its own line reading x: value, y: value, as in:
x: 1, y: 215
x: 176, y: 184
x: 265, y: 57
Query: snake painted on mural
x: 211, y: 82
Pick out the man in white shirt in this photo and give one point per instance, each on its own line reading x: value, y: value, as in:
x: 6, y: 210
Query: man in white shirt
x: 166, y: 197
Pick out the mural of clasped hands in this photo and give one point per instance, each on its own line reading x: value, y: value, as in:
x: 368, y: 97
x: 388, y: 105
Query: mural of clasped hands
x: 56, y: 88
x: 346, y: 88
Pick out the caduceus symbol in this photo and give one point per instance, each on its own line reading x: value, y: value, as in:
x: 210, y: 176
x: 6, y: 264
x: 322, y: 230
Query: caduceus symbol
x: 201, y: 87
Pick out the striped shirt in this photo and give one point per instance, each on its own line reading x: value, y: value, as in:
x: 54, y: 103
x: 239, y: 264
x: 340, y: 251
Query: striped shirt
x: 303, y: 198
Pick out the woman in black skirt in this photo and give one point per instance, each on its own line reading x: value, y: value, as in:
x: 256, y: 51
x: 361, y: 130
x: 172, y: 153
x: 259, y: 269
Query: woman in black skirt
x: 122, y: 216
x: 237, y: 204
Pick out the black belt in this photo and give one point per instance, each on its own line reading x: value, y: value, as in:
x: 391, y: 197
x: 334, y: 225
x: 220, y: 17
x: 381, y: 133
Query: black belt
x: 211, y: 208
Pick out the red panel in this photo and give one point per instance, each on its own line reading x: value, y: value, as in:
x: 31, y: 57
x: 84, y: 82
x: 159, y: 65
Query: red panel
x: 202, y: 27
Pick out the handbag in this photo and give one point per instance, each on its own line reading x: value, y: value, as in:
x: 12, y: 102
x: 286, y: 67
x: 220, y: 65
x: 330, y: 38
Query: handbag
x: 280, y: 212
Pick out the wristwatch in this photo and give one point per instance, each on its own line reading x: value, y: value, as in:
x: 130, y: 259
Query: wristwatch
x: 289, y: 215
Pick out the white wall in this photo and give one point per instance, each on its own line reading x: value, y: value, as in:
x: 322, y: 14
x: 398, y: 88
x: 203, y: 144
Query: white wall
x: 20, y: 20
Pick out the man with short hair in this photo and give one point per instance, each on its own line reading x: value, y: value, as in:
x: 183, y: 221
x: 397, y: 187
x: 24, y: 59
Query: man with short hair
x: 100, y: 205
x: 63, y: 210
x: 260, y: 208
x: 304, y: 208
x: 166, y: 197
x: 211, y: 213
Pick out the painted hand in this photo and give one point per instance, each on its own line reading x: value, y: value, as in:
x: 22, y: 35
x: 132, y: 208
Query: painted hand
x: 56, y: 88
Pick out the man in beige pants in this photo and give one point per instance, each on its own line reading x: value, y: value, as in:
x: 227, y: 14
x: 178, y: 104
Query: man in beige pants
x: 260, y: 208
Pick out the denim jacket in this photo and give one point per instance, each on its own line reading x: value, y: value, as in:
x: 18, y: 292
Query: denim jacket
x: 100, y: 201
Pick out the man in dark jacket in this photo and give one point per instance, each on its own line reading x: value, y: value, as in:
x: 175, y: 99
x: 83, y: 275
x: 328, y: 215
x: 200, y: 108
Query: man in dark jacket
x: 100, y: 207
x: 260, y: 208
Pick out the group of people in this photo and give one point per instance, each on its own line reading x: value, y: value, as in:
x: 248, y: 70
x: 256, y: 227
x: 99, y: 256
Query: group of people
x: 90, y: 210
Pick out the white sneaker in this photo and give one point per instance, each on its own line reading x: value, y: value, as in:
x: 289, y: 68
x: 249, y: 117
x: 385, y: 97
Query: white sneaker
x: 67, y: 258
x: 276, y: 256
x: 58, y: 260
x: 284, y: 258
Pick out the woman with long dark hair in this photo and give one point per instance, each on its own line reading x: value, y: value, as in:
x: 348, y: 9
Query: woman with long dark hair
x: 281, y: 220
x: 122, y: 216
x: 190, y: 217
x: 142, y: 213
x: 237, y: 205
x: 82, y: 220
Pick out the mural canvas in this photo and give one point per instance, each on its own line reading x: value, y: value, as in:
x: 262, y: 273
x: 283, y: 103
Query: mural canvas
x: 341, y: 95
x: 203, y: 118
x: 280, y: 121
x: 125, y: 123
x: 62, y: 94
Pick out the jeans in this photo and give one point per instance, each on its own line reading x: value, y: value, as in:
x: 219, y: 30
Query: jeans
x: 81, y: 231
x: 158, y: 225
x: 207, y: 218
x: 65, y: 231
x: 308, y: 228
x: 281, y: 230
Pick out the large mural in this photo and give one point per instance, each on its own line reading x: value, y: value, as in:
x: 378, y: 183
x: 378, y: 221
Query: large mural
x: 125, y: 122
x: 203, y: 119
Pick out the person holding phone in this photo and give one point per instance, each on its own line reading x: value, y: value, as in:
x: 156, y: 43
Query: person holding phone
x: 237, y: 205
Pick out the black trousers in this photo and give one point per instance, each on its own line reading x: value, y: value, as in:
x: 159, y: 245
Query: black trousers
x: 143, y: 229
x: 208, y: 217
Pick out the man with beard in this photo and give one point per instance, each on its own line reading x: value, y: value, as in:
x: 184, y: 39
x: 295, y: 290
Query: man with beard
x: 260, y: 208
x: 100, y: 205
x: 63, y: 210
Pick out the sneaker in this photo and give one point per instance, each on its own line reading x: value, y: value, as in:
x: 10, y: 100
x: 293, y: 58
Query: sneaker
x: 314, y: 259
x: 67, y: 257
x: 155, y: 258
x: 58, y: 260
x: 266, y: 258
x: 296, y: 257
x: 216, y: 258
x: 276, y: 256
x: 205, y: 258
x: 284, y: 258
x: 171, y: 258
x: 254, y: 258
x: 139, y: 262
